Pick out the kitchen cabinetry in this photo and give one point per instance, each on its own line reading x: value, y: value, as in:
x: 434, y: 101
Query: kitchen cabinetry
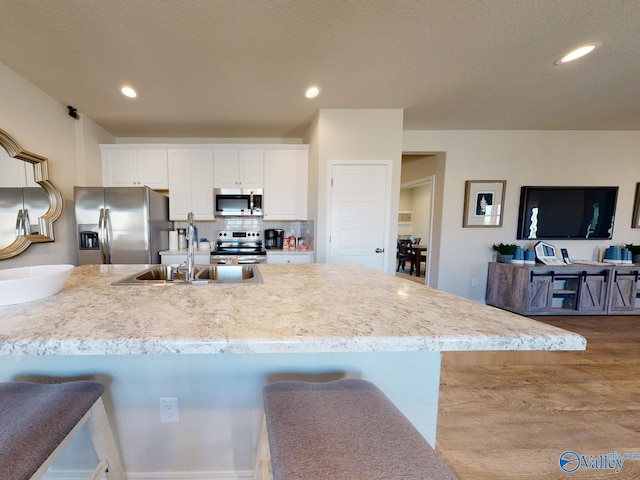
x: 172, y: 257
x: 286, y: 184
x: 191, y: 172
x: 191, y: 183
x: 238, y: 168
x: 624, y: 298
x: 290, y: 257
x: 550, y: 290
x: 15, y: 173
x: 134, y: 167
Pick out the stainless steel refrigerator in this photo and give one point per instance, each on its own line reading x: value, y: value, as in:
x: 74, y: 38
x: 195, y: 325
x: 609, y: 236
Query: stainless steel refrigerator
x: 121, y: 224
x: 20, y: 209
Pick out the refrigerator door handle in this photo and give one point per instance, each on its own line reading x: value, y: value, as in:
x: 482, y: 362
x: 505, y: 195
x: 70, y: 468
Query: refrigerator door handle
x: 26, y: 223
x: 19, y: 223
x: 107, y: 231
x: 101, y: 235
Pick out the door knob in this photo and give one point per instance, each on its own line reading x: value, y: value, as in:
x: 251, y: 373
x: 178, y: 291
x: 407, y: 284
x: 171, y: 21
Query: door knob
x: 379, y: 250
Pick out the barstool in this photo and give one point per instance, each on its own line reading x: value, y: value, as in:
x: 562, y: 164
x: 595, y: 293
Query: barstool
x: 262, y: 469
x: 347, y: 429
x: 38, y: 420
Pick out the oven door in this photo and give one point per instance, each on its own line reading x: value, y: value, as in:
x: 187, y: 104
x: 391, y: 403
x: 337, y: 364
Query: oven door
x: 232, y: 202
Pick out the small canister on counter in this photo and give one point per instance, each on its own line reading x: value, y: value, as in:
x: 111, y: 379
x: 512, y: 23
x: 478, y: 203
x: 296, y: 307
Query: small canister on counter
x: 182, y: 238
x: 292, y: 242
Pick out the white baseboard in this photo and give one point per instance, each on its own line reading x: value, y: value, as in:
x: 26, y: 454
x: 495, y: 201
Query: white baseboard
x: 84, y: 474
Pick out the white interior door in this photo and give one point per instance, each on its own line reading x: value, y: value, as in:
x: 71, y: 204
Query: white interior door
x: 360, y: 203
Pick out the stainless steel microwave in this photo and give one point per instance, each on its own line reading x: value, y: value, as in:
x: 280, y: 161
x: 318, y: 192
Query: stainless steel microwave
x: 237, y: 202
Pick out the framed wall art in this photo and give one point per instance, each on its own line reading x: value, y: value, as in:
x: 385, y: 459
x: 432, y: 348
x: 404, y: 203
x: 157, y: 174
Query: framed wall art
x: 483, y: 203
x: 635, y: 222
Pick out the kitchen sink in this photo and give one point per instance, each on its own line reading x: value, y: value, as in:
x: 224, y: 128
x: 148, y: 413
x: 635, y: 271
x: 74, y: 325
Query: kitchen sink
x: 230, y: 274
x: 204, y: 275
x: 166, y: 273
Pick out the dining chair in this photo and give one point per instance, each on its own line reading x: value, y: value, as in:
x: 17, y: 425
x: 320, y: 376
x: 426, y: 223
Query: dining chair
x: 405, y: 254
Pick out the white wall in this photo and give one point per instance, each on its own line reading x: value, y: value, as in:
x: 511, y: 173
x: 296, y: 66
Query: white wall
x: 89, y: 136
x: 357, y: 135
x: 42, y: 125
x: 421, y: 201
x: 523, y: 158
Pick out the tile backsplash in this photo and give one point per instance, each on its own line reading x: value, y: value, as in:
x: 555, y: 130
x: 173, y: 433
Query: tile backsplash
x: 299, y: 228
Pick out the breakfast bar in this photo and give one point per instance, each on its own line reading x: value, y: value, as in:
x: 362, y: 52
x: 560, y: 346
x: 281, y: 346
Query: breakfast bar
x: 214, y: 346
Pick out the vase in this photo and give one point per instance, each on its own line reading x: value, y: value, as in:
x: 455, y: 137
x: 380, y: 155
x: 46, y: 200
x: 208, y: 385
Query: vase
x: 504, y: 258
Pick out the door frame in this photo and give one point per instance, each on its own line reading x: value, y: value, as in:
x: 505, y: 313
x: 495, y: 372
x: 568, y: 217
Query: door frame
x: 387, y: 243
x: 416, y: 183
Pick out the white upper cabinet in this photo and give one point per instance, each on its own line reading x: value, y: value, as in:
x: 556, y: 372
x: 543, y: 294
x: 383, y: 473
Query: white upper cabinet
x: 191, y: 172
x: 286, y: 184
x: 238, y: 168
x: 14, y: 172
x: 135, y: 167
x: 191, y: 183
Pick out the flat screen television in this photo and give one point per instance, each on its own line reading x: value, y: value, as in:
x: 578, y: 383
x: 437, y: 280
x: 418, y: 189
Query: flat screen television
x: 567, y: 212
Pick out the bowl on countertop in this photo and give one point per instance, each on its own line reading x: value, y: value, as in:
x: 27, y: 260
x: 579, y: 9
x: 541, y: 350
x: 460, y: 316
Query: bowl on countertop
x: 25, y: 284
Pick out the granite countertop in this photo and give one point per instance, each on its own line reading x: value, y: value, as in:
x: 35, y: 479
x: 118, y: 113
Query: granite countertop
x: 298, y: 309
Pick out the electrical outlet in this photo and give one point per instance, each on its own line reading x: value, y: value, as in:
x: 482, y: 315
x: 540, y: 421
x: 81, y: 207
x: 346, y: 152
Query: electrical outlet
x: 474, y: 282
x: 169, y: 412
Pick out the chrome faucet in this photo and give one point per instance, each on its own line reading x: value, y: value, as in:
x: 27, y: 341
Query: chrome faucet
x: 191, y: 251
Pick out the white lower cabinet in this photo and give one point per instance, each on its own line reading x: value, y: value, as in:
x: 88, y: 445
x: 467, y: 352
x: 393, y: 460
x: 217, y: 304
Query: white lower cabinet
x: 290, y: 257
x: 191, y: 183
x: 178, y: 258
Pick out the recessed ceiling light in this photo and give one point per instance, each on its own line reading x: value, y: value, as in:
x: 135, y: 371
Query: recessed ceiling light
x: 128, y: 92
x: 577, y: 53
x: 312, y: 92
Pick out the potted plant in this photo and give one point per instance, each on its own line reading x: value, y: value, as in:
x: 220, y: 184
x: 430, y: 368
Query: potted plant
x: 505, y: 251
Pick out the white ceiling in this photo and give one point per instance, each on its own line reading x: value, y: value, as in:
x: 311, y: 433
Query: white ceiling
x: 239, y: 68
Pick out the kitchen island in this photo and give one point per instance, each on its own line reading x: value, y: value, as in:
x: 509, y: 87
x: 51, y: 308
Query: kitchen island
x: 213, y: 347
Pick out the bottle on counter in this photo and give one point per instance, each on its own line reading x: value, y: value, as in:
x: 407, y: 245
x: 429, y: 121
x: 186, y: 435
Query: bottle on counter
x: 182, y: 238
x: 292, y: 241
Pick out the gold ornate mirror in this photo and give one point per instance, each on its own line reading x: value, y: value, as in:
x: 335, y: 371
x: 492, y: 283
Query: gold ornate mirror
x: 16, y: 228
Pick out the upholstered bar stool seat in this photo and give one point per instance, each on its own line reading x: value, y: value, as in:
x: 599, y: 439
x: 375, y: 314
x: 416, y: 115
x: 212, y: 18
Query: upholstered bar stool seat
x: 37, y: 420
x: 347, y: 429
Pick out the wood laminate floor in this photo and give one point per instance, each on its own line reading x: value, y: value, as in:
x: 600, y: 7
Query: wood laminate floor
x: 405, y: 274
x: 511, y: 415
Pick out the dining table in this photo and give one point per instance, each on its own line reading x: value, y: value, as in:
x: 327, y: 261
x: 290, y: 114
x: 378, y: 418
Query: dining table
x: 420, y: 254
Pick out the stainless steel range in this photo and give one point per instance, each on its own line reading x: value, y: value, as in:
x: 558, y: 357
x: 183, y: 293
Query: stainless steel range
x: 238, y: 247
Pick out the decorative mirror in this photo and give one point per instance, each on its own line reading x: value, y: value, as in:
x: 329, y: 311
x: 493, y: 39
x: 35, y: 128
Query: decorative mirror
x: 29, y: 202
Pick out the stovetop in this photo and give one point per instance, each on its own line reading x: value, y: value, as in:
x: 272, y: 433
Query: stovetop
x: 239, y: 242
